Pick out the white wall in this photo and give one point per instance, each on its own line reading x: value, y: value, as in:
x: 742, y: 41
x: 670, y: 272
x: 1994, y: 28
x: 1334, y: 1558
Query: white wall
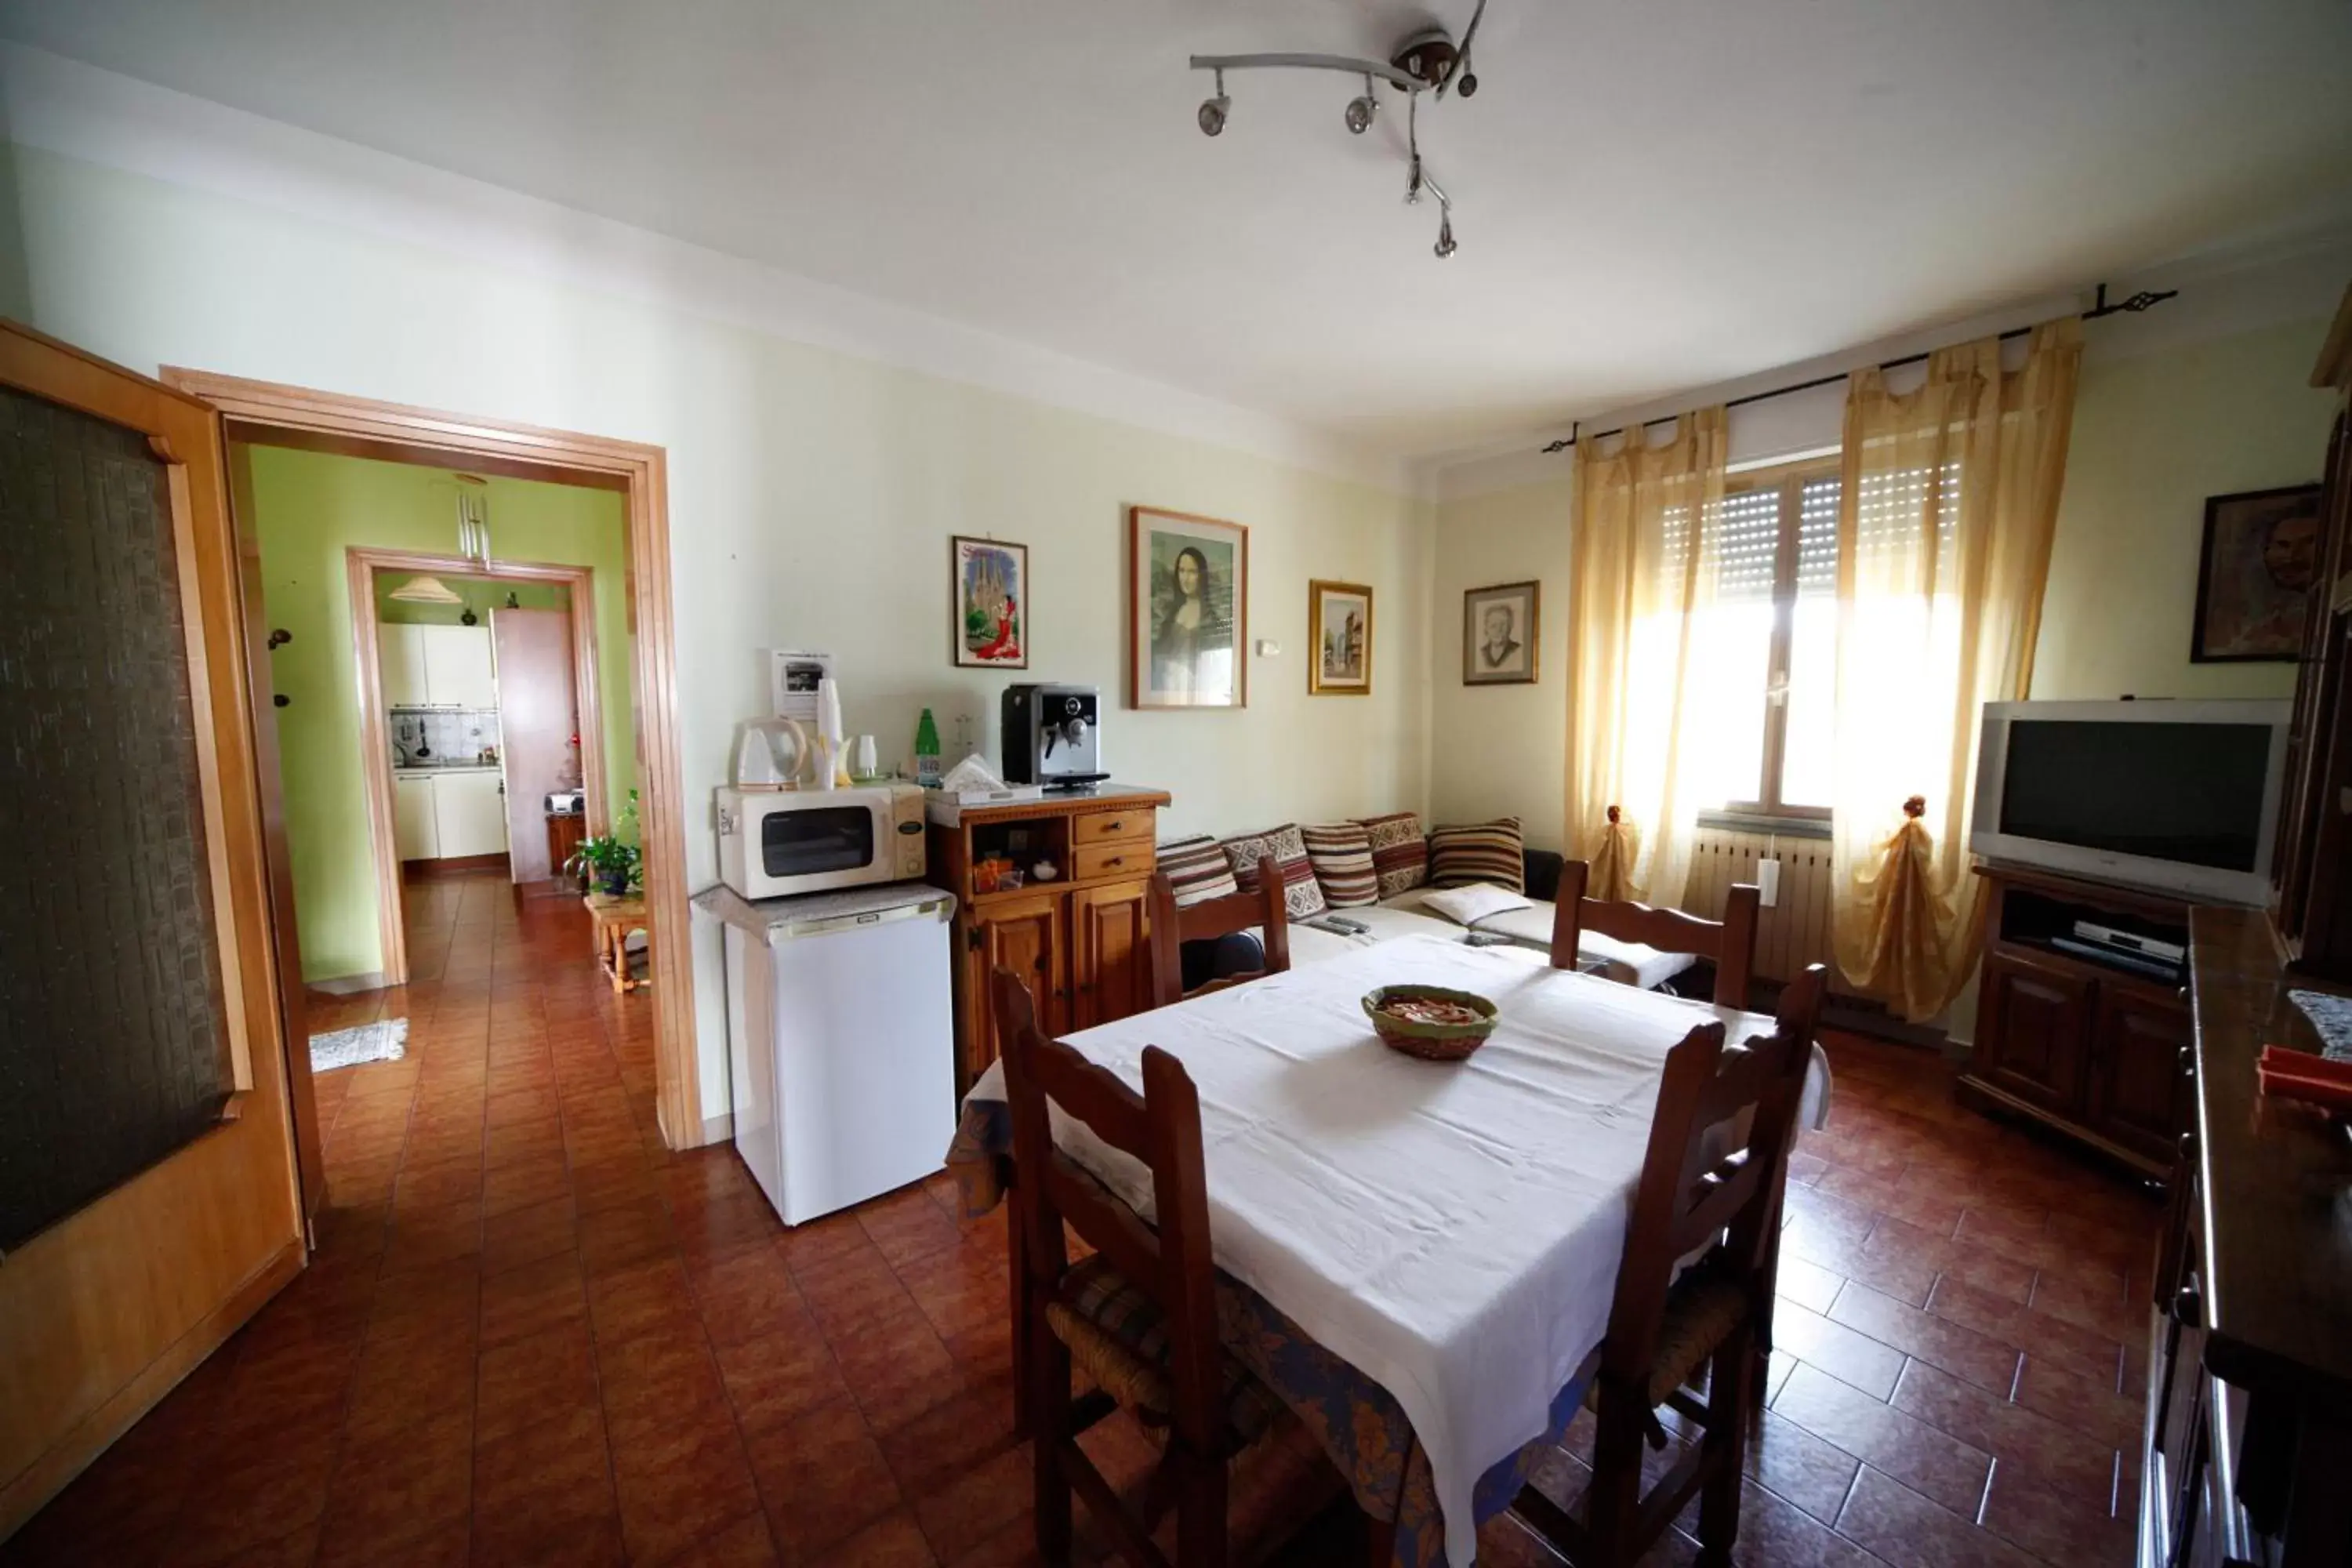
x: 2170, y: 409
x: 813, y: 491
x: 1502, y: 750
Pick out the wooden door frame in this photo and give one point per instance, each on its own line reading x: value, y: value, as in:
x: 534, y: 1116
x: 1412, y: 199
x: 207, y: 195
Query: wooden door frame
x: 360, y: 563
x: 272, y: 414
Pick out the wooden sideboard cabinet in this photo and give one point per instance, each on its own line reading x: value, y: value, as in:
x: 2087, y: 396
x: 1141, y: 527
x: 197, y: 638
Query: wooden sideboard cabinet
x: 1079, y: 939
x: 2089, y: 1047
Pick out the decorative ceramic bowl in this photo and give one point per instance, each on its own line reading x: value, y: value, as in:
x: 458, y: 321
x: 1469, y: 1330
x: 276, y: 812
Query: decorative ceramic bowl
x: 1460, y: 1022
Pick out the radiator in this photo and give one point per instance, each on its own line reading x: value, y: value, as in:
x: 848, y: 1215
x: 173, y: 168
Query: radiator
x: 1795, y: 931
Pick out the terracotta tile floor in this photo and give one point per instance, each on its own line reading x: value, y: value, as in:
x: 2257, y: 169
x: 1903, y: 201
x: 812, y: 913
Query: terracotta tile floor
x: 532, y: 1335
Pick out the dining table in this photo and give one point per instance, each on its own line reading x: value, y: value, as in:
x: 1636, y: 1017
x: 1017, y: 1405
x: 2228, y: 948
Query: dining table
x: 1419, y: 1258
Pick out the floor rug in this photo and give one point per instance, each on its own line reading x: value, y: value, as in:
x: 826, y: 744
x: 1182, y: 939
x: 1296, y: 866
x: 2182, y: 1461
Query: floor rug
x: 381, y: 1042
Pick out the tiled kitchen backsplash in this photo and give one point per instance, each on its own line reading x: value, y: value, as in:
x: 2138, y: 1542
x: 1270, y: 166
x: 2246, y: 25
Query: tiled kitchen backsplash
x: 422, y: 736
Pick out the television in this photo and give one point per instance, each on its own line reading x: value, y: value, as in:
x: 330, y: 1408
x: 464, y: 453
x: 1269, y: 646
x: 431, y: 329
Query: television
x: 2178, y: 797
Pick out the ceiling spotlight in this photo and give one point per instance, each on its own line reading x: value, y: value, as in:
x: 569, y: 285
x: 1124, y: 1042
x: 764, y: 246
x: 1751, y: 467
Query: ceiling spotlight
x: 1445, y: 246
x: 1361, y: 110
x: 1469, y: 86
x: 1212, y: 111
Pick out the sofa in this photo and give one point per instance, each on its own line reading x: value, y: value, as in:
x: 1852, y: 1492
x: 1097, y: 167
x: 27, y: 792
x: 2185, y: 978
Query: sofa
x: 1342, y: 876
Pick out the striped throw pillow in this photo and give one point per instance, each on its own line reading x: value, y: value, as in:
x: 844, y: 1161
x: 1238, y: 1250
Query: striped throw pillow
x: 1302, y: 896
x: 1485, y: 852
x: 1399, y: 854
x: 1341, y: 854
x: 1197, y: 868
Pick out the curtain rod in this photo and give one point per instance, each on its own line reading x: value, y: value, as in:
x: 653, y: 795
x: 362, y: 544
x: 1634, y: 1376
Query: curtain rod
x: 2133, y: 303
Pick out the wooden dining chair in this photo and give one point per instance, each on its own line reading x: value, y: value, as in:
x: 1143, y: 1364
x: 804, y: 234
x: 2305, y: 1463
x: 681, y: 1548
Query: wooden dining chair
x: 1730, y: 941
x: 1138, y: 1316
x: 1710, y: 1185
x: 1172, y: 927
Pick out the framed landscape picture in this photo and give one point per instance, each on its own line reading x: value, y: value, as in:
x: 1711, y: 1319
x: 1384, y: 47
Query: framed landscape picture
x: 1502, y: 628
x: 992, y: 603
x: 2254, y: 574
x: 1188, y: 611
x: 1339, y: 638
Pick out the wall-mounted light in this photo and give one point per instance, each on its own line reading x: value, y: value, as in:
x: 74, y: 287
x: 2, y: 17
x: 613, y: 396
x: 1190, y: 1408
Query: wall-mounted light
x: 1212, y: 111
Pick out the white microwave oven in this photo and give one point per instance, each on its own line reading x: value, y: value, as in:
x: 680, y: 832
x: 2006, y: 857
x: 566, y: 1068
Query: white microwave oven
x: 776, y: 843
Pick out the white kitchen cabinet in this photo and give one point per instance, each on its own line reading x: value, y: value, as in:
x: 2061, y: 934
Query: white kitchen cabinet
x: 458, y: 667
x: 414, y: 829
x: 469, y: 813
x: 401, y: 652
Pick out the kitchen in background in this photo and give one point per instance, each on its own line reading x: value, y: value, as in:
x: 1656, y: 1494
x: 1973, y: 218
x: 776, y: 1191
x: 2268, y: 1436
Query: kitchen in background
x: 309, y: 510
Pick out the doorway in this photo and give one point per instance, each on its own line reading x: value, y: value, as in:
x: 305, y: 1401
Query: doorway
x: 268, y: 414
x: 482, y: 722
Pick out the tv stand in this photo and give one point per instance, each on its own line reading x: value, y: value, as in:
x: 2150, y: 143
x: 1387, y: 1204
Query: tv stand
x: 2089, y: 1046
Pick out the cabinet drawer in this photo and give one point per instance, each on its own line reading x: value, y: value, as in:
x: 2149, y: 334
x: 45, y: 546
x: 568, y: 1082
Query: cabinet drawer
x: 1104, y: 826
x: 1119, y: 857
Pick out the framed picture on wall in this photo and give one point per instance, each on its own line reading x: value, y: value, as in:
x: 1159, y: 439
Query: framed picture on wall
x: 992, y: 603
x: 1340, y: 639
x: 1188, y: 611
x: 1502, y: 629
x: 2254, y: 573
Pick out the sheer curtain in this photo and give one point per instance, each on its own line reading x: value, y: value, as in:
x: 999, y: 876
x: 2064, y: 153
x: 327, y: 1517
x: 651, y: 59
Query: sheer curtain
x: 1644, y: 687
x: 1946, y: 512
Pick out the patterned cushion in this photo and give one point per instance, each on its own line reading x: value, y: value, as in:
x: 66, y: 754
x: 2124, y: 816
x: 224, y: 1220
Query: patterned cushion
x: 1341, y: 854
x: 1197, y: 868
x: 1118, y: 1335
x: 1302, y: 896
x: 1487, y: 852
x: 1399, y: 854
x: 1702, y: 1310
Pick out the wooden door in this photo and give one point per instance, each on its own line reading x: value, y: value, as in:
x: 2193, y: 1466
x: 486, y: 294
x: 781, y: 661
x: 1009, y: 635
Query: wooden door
x: 150, y: 1212
x: 1023, y: 936
x: 1110, y: 959
x: 401, y: 651
x: 2137, y: 1087
x: 2033, y: 1030
x: 539, y: 713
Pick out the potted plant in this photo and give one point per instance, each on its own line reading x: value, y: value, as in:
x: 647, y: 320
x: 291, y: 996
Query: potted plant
x: 610, y: 862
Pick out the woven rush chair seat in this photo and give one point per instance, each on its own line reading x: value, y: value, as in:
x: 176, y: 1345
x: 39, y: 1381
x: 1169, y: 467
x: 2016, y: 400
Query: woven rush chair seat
x: 1702, y: 1312
x: 1118, y: 1336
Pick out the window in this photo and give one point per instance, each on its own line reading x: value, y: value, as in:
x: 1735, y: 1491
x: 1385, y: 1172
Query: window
x: 1772, y: 642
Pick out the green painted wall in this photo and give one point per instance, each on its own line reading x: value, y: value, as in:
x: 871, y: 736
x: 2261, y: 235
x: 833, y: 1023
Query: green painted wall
x: 308, y: 508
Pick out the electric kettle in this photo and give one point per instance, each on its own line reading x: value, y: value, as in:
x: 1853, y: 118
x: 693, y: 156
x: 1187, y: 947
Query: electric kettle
x: 769, y: 754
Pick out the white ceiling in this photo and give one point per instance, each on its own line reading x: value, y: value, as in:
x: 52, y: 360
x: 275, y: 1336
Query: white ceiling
x: 1652, y: 193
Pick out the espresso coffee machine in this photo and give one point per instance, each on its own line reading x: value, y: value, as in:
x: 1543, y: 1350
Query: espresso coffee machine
x: 1052, y: 736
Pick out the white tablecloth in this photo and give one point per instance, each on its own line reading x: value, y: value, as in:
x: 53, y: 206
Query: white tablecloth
x: 1451, y: 1230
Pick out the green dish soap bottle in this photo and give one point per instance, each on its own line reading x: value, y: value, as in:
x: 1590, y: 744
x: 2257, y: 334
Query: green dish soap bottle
x: 926, y: 752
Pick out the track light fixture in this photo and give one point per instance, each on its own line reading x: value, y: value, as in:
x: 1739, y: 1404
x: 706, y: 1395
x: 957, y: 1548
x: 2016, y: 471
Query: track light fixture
x: 1426, y: 60
x: 1212, y: 111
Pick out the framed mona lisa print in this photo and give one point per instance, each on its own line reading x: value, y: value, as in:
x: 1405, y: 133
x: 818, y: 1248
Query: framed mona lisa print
x: 1502, y: 628
x: 1188, y: 611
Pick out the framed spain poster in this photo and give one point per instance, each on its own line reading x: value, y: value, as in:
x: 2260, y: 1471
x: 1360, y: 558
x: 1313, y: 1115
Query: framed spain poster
x: 992, y: 603
x: 1188, y: 611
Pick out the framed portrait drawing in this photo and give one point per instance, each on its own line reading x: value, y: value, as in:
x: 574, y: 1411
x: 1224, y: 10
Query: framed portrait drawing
x: 1339, y: 637
x: 2260, y: 558
x: 1502, y: 630
x: 992, y: 603
x: 1188, y: 611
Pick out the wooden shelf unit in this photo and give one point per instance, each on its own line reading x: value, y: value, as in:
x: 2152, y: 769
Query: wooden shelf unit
x: 2090, y: 1048
x: 1080, y: 938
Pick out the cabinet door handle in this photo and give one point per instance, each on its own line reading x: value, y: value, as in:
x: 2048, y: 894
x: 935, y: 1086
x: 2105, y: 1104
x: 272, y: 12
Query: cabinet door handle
x: 1114, y: 824
x: 1115, y: 861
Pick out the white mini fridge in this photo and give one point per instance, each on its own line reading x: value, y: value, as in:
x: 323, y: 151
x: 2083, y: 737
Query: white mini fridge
x: 842, y: 1036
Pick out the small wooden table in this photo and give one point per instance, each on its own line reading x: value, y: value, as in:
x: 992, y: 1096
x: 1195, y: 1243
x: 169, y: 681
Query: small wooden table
x: 613, y: 919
